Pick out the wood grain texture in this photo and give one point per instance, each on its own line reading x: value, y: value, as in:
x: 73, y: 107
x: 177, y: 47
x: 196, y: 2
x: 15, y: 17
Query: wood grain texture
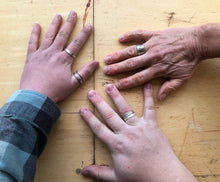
x: 190, y: 117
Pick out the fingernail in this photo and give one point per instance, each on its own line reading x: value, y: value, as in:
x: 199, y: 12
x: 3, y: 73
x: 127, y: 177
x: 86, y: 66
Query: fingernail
x: 121, y: 37
x: 106, y: 70
x: 91, y: 93
x: 118, y: 85
x: 88, y: 26
x: 108, y: 59
x: 85, y: 172
x: 83, y: 110
x: 57, y: 16
x: 109, y: 87
x: 72, y: 13
x: 162, y: 97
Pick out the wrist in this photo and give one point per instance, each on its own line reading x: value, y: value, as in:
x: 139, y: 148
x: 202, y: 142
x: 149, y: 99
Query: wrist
x: 209, y: 40
x: 171, y: 169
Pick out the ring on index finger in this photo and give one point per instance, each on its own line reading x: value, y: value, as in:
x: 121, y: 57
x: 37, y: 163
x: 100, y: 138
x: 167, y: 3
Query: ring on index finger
x: 140, y: 49
x: 128, y: 115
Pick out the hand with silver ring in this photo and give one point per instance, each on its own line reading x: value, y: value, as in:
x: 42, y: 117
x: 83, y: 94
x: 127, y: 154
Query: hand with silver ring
x: 172, y: 54
x: 48, y: 64
x: 139, y: 149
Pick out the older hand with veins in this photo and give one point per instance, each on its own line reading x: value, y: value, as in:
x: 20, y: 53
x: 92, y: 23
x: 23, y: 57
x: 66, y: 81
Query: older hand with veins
x: 139, y: 149
x: 48, y: 67
x: 172, y: 54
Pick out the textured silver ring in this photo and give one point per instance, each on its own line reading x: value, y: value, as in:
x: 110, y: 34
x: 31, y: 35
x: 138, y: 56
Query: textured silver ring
x: 70, y: 53
x: 140, y: 49
x: 79, y: 77
x: 128, y: 115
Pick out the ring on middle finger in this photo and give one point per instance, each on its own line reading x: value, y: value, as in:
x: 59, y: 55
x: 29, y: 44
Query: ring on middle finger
x: 140, y: 49
x: 128, y: 115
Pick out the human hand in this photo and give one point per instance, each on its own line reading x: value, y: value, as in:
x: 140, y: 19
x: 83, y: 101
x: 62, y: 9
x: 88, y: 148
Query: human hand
x: 172, y: 54
x: 139, y: 149
x: 48, y: 67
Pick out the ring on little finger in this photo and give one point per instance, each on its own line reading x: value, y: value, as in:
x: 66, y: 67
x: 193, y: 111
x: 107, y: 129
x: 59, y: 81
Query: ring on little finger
x: 70, y: 53
x: 78, y: 77
x: 140, y: 49
x: 128, y: 115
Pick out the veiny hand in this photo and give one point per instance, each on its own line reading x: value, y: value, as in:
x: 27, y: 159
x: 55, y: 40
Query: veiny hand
x: 139, y: 149
x: 48, y: 67
x: 172, y: 54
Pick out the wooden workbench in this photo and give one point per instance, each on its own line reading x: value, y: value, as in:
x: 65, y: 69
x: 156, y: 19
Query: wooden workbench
x: 190, y: 117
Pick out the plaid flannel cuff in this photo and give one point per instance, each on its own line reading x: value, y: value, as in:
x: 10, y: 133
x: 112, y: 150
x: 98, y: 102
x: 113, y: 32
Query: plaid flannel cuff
x: 34, y: 108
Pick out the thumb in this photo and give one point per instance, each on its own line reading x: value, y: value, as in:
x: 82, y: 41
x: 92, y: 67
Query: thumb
x: 97, y: 172
x: 169, y: 86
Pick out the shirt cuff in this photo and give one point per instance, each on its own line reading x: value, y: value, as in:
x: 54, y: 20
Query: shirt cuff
x: 35, y: 108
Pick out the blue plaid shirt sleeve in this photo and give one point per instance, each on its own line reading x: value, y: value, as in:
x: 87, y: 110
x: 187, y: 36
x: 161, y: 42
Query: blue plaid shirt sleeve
x: 25, y: 122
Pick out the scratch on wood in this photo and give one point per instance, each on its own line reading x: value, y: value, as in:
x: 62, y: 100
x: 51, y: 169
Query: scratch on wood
x: 210, y: 171
x: 170, y: 17
x: 107, y: 81
x: 207, y: 175
x: 184, y: 141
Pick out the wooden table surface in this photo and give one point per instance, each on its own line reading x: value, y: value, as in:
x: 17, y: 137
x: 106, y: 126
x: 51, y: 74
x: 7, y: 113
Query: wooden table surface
x: 190, y: 117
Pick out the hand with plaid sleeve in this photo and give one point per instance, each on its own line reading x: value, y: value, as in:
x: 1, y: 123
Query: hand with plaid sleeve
x: 29, y: 114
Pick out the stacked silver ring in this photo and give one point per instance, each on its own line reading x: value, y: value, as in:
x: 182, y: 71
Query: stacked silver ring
x: 79, y: 77
x: 70, y: 53
x: 128, y: 115
x: 140, y: 49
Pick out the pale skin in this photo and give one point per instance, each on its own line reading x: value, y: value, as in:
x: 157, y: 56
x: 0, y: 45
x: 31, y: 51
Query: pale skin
x: 48, y: 67
x: 172, y: 54
x: 140, y: 151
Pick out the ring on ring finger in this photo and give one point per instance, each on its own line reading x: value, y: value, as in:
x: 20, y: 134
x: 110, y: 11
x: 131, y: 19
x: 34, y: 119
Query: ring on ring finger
x: 78, y: 77
x: 128, y: 115
x: 70, y: 53
x: 140, y: 49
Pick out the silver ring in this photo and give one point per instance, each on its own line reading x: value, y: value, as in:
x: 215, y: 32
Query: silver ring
x: 128, y: 115
x: 140, y: 49
x: 79, y: 77
x: 70, y: 53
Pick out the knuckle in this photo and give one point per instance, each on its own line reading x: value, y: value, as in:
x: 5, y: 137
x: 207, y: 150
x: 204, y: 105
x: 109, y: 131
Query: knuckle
x: 124, y: 110
x: 139, y: 32
x: 118, y: 146
x: 49, y: 36
x: 149, y: 107
x: 130, y: 64
x: 139, y: 79
x: 109, y: 115
x: 63, y: 34
x: 117, y: 55
x: 160, y: 70
x: 131, y: 51
x: 98, y: 127
x: 78, y: 43
x: 158, y: 54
